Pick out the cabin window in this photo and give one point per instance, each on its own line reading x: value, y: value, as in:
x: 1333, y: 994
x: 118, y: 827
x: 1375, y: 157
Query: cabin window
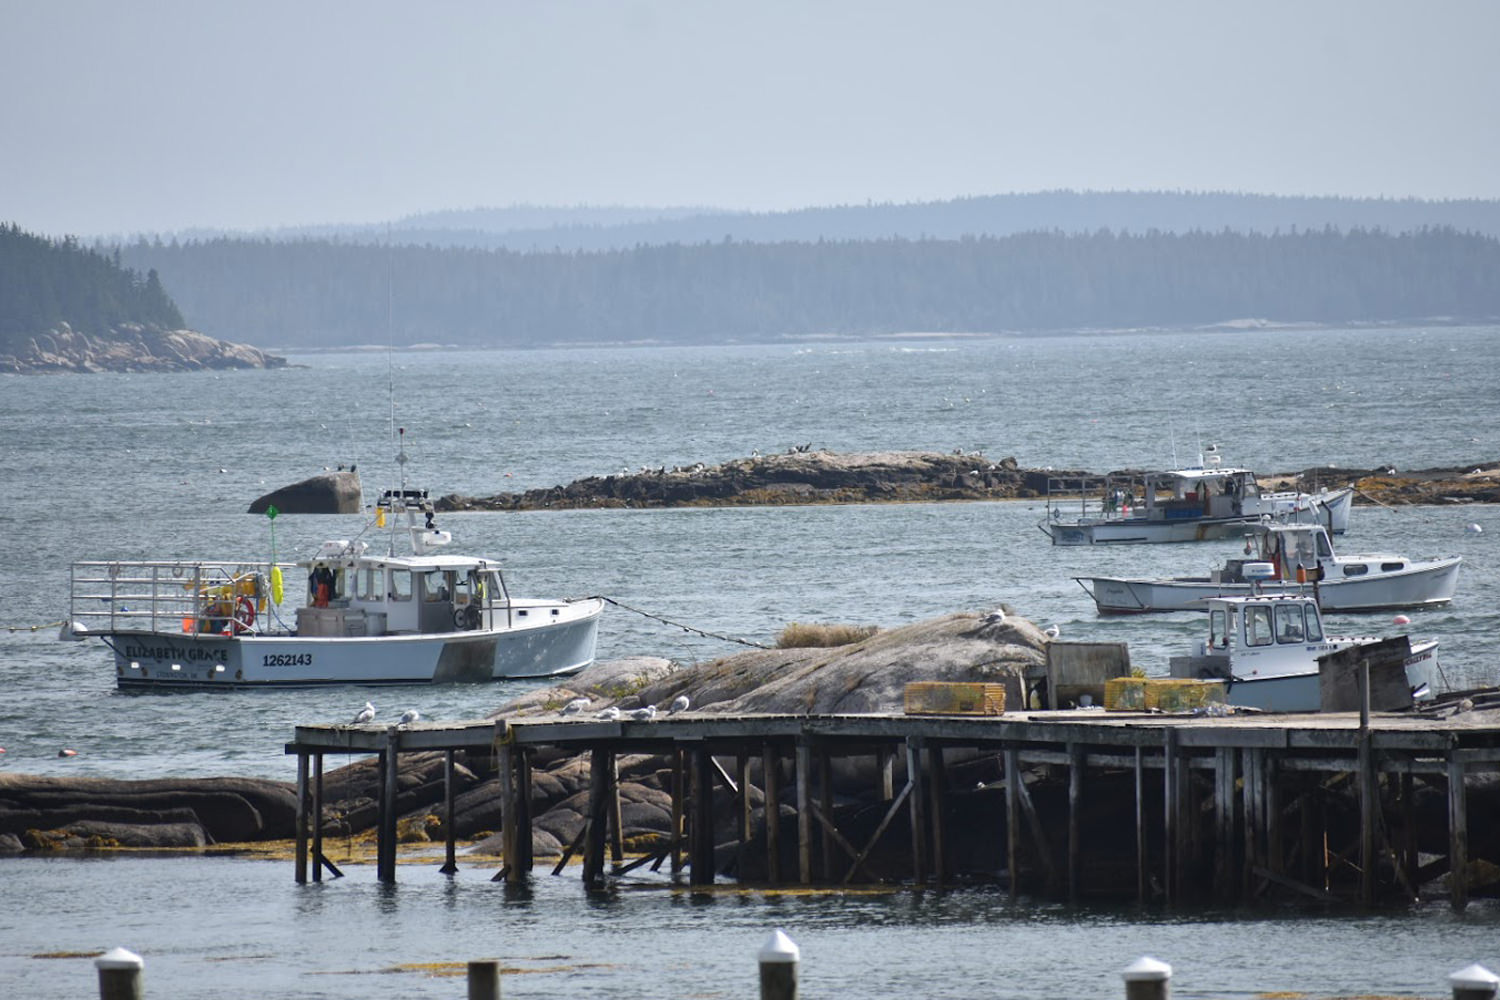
x: 1391, y: 567
x: 437, y: 586
x: 369, y: 583
x: 1219, y: 628
x: 1258, y: 626
x: 1314, y: 625
x: 1325, y: 550
x: 1356, y: 569
x: 1289, y: 625
x: 400, y: 585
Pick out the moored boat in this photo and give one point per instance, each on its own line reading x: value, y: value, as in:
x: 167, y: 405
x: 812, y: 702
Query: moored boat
x: 1289, y: 559
x: 1184, y: 505
x: 1267, y: 650
x: 367, y: 617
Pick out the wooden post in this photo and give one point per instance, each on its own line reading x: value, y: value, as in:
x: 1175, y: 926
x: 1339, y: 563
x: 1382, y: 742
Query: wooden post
x: 1147, y: 979
x: 484, y: 980
x: 679, y: 796
x: 770, y: 768
x: 1075, y: 807
x: 616, y: 832
x: 317, y: 817
x: 885, y: 761
x: 386, y: 848
x: 825, y: 804
x: 1458, y: 836
x: 937, y: 787
x: 301, y: 821
x: 1474, y: 982
x: 1251, y: 807
x: 598, y: 818
x: 1275, y: 845
x: 120, y: 974
x: 917, y: 803
x: 701, y: 835
x: 804, y: 812
x: 1013, y: 819
x: 1141, y: 853
x: 509, y: 808
x: 524, y: 859
x: 779, y: 958
x: 450, y: 842
x: 746, y: 808
x: 1368, y: 803
x: 1171, y: 846
x: 1223, y: 823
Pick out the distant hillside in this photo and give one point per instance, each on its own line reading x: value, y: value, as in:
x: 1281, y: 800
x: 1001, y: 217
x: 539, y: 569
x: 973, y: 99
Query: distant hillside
x: 529, y: 228
x: 66, y: 308
x: 320, y: 294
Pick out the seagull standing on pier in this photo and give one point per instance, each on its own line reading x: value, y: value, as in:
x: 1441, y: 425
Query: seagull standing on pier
x: 609, y: 714
x: 575, y: 706
x: 366, y: 714
x: 679, y: 704
x: 644, y: 714
x: 409, y: 716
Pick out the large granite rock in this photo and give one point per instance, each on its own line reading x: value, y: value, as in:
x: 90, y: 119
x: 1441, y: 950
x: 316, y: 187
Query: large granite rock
x: 327, y: 493
x: 129, y: 347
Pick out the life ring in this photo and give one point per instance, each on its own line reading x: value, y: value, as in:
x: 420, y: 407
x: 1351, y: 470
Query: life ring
x: 244, y: 616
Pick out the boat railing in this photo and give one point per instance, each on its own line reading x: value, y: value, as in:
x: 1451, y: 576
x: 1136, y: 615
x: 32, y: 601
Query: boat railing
x: 1091, y: 496
x: 196, y: 597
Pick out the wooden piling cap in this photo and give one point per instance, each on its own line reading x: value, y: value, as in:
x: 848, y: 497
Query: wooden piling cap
x: 1146, y: 970
x: 780, y: 948
x: 119, y: 958
x: 1474, y: 977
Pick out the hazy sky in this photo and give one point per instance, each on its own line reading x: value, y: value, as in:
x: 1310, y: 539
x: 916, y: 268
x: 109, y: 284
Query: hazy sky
x: 168, y: 114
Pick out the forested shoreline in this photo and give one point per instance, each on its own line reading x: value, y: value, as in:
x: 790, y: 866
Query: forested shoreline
x: 325, y: 293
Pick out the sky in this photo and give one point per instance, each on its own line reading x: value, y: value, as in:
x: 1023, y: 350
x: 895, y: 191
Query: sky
x: 166, y: 115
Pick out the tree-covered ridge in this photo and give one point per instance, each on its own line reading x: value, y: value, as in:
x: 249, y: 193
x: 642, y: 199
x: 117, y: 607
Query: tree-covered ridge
x: 45, y: 283
x: 319, y: 293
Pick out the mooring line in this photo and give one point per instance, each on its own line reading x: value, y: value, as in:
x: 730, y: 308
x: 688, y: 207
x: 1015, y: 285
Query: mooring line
x: 685, y: 628
x: 29, y: 628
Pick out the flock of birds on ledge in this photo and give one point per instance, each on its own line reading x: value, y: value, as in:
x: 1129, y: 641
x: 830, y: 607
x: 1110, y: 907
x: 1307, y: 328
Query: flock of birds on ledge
x: 577, y: 706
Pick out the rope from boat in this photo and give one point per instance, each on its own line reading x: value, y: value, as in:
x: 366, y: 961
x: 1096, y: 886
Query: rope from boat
x: 685, y: 628
x: 30, y: 628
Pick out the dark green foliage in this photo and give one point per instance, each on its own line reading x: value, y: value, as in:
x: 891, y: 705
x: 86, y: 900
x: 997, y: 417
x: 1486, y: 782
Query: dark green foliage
x: 45, y: 282
x: 319, y: 293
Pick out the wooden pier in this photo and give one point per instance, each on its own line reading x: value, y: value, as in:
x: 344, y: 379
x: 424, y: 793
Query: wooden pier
x: 1178, y: 808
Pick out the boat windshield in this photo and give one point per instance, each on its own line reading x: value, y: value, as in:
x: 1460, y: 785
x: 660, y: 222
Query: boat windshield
x: 1220, y: 627
x: 1258, y: 626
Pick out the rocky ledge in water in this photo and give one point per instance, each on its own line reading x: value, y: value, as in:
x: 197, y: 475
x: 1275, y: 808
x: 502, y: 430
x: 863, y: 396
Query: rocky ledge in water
x: 130, y: 347
x: 816, y: 477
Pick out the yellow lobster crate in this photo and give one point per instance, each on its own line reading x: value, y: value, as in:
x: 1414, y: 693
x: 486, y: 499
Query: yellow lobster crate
x: 1161, y: 694
x: 954, y: 698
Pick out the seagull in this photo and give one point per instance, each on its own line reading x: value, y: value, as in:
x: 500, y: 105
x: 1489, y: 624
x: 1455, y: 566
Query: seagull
x: 575, y: 706
x: 409, y: 716
x: 679, y: 704
x: 1052, y: 631
x: 644, y: 714
x: 366, y: 714
x: 610, y: 714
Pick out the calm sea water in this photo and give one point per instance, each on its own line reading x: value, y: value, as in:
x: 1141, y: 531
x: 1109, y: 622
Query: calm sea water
x: 157, y: 466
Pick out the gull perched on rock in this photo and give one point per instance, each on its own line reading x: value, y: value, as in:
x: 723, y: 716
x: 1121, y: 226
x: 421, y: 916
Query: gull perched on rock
x: 609, y: 714
x: 679, y: 704
x: 366, y: 714
x: 574, y: 707
x: 409, y: 716
x: 644, y: 714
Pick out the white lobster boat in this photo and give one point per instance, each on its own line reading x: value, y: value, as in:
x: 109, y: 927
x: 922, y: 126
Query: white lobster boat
x: 1289, y: 559
x: 1267, y: 649
x: 1184, y: 505
x: 367, y: 618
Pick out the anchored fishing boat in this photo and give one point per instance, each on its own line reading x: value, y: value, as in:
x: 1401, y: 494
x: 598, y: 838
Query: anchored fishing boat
x: 1289, y: 559
x: 367, y: 617
x: 1183, y: 505
x: 1267, y: 649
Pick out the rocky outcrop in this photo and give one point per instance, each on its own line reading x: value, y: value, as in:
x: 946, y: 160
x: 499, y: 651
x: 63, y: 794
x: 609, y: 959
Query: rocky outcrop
x: 327, y: 493
x: 814, y: 477
x: 63, y: 813
x: 130, y: 347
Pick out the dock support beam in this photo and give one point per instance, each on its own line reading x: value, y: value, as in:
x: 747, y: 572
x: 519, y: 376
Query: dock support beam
x: 770, y: 768
x: 1458, y: 836
x: 701, y: 826
x: 917, y: 802
x: 804, y: 812
x: 385, y: 847
x: 301, y: 862
x: 598, y: 817
x: 1013, y: 820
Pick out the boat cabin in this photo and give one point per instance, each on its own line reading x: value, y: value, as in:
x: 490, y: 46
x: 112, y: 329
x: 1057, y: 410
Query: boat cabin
x: 1257, y: 637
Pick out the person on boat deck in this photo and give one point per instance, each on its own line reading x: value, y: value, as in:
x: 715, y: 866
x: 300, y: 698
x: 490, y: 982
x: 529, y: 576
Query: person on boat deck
x: 320, y: 583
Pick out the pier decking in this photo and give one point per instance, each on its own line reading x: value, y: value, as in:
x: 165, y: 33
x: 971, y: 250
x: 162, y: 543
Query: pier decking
x: 1185, y: 807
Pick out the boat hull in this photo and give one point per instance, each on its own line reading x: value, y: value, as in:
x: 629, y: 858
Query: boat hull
x: 1420, y: 586
x: 559, y: 644
x: 1301, y: 692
